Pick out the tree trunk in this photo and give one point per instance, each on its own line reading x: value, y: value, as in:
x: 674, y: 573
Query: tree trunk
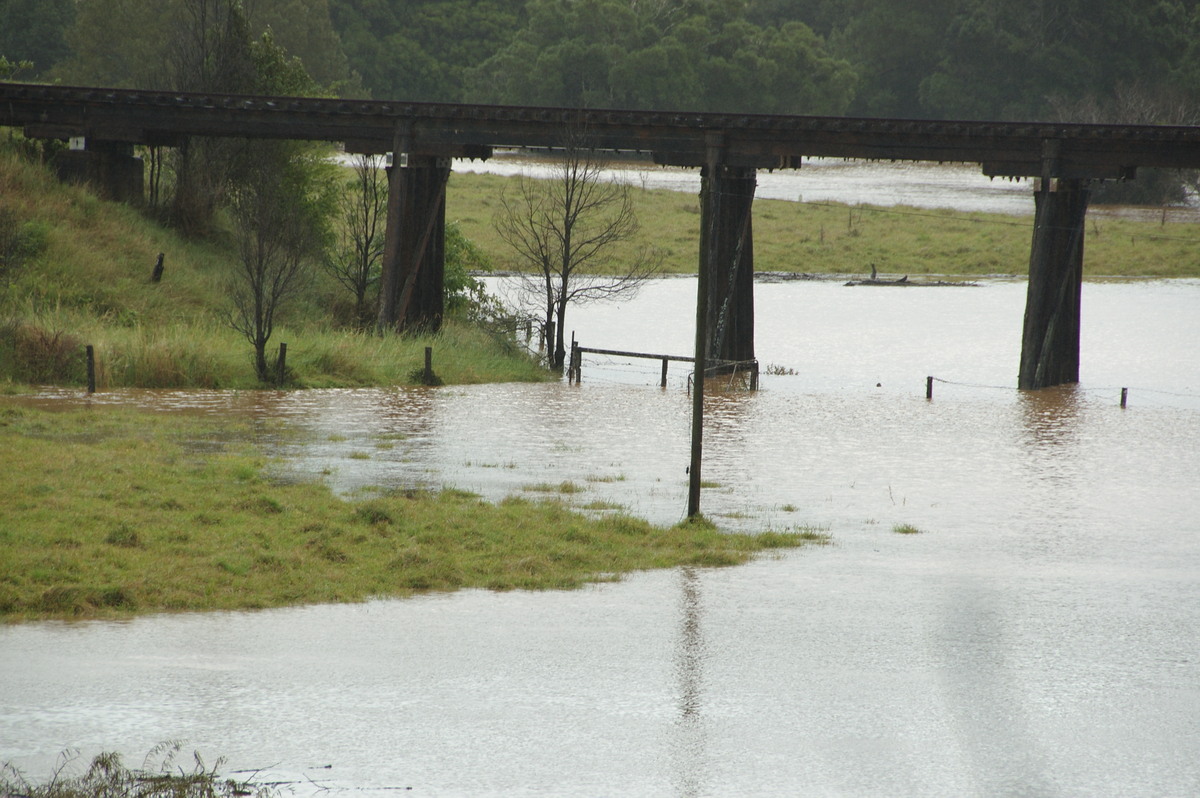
x: 260, y: 361
x: 560, y: 349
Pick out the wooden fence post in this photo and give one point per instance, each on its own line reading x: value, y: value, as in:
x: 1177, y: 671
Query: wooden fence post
x: 91, y: 369
x: 663, y: 384
x: 1124, y: 396
x: 929, y: 387
x: 281, y: 365
x: 428, y: 377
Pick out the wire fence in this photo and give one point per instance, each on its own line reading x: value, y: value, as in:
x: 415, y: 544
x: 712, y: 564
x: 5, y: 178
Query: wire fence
x: 607, y: 369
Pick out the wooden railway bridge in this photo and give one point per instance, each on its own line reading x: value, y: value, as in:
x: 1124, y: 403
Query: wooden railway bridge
x: 105, y: 124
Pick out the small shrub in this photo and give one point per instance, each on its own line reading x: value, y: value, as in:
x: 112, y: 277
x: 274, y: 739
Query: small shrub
x: 40, y: 356
x: 906, y: 529
x: 373, y: 513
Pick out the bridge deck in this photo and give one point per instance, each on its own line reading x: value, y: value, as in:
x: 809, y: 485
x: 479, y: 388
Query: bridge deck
x: 677, y: 138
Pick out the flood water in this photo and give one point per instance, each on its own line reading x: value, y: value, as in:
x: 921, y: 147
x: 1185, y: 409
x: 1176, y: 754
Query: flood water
x: 1038, y: 638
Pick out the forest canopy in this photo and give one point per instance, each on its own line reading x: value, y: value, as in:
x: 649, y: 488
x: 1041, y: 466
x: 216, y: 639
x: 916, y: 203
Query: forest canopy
x: 1074, y: 60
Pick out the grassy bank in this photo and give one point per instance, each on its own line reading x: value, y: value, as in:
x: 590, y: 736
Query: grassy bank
x: 111, y: 512
x: 828, y: 238
x: 75, y: 270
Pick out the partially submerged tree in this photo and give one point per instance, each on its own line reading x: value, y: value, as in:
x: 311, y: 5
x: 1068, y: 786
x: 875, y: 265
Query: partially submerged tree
x: 567, y: 229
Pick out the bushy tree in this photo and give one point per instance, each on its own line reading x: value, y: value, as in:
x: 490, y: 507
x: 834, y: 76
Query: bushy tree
x: 698, y: 56
x: 34, y: 31
x: 420, y: 49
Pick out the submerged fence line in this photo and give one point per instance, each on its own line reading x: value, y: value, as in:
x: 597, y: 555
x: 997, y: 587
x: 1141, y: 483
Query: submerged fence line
x: 713, y: 367
x: 1124, y: 390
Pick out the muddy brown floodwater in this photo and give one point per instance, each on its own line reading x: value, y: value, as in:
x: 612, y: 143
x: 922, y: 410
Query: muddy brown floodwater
x: 1038, y: 637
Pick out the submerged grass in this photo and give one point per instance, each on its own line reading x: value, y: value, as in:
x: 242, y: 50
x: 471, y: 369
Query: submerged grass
x: 160, y: 777
x: 112, y: 511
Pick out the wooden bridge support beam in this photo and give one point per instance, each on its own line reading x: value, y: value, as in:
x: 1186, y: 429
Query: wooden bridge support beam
x: 109, y: 166
x: 411, y: 287
x: 1050, y: 344
x: 726, y: 197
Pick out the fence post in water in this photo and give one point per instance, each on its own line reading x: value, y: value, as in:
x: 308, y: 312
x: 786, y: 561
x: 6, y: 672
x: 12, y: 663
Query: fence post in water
x: 929, y: 387
x: 663, y: 384
x: 1124, y: 396
x: 91, y: 369
x: 428, y: 376
x: 754, y: 376
x: 281, y: 366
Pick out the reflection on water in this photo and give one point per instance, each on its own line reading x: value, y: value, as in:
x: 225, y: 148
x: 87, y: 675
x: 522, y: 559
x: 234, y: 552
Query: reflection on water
x: 689, y: 747
x: 1038, y: 637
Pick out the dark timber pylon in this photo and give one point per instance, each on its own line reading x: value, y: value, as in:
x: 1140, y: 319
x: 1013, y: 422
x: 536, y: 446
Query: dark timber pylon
x: 726, y: 197
x: 411, y: 281
x: 1050, y: 343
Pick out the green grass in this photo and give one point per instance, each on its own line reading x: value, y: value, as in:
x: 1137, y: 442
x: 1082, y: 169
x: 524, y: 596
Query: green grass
x: 906, y: 529
x: 85, y: 279
x: 110, y: 512
x: 830, y: 238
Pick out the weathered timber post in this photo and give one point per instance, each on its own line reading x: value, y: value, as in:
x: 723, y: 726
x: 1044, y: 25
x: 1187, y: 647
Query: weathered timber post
x: 710, y: 211
x: 281, y: 365
x: 1050, y: 343
x: 727, y: 251
x: 428, y: 375
x: 412, y: 284
x: 663, y: 383
x: 91, y: 368
x: 156, y: 275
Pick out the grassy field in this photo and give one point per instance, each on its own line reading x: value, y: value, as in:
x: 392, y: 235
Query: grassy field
x: 85, y: 279
x: 827, y: 238
x: 111, y: 512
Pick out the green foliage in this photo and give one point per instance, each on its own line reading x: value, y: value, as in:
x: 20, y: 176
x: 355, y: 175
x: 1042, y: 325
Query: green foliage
x: 465, y: 293
x: 610, y: 53
x: 32, y: 33
x: 420, y: 50
x: 186, y: 44
x: 13, y: 69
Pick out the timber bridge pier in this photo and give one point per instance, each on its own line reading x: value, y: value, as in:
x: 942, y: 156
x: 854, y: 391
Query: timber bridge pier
x: 105, y: 124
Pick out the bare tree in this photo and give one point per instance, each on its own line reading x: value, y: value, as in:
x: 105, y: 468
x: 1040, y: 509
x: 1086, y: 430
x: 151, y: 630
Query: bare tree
x: 354, y: 259
x: 568, y: 230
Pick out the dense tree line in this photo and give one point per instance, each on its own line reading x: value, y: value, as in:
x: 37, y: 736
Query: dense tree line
x: 1028, y: 59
